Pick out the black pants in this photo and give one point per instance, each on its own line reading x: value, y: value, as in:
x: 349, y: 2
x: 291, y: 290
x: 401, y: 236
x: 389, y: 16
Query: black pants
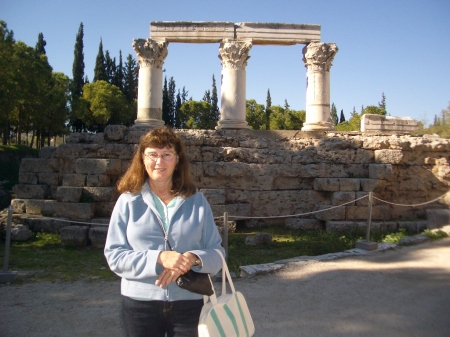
x: 158, y: 318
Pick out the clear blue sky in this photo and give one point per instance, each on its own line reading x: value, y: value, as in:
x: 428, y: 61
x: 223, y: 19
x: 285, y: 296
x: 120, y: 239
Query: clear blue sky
x: 401, y: 48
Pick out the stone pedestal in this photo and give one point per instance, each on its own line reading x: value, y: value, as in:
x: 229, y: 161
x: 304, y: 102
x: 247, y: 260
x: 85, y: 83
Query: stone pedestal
x: 234, y: 56
x: 151, y: 55
x: 318, y: 57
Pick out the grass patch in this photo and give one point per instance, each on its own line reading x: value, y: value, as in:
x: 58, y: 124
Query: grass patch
x: 43, y: 258
x: 435, y: 234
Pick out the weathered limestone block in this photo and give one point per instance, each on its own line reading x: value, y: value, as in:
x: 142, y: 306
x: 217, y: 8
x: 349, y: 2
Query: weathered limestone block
x: 349, y: 184
x: 67, y: 166
x: 340, y: 198
x: 29, y: 178
x: 328, y: 213
x: 214, y: 196
x: 46, y: 225
x: 104, y: 209
x: 117, y: 151
x: 100, y: 194
x: 46, y: 178
x: 97, y: 236
x: 115, y: 132
x: 69, y: 194
x: 369, y: 185
x: 414, y: 227
x: 326, y: 184
x: 31, y: 206
x: 31, y: 191
x: 69, y: 210
x: 341, y: 226
x: 86, y: 138
x: 75, y: 151
x: 47, y: 152
x: 303, y: 224
x: 74, y: 180
x: 384, y: 226
x: 20, y: 233
x: 75, y: 236
x: 379, y: 123
x: 98, y: 180
x: 388, y: 156
x: 437, y: 218
x: 380, y: 171
x: 194, y: 32
x: 379, y: 212
x: 99, y: 166
x: 39, y: 165
x: 259, y: 239
x: 235, y: 210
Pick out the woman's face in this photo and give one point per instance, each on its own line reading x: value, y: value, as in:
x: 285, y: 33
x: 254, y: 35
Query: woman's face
x: 160, y: 163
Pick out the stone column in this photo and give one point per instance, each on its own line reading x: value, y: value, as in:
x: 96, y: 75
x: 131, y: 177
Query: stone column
x: 151, y: 55
x: 234, y: 56
x: 318, y: 57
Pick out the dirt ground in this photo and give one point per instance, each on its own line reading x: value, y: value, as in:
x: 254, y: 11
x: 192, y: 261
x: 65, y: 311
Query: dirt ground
x: 399, y: 292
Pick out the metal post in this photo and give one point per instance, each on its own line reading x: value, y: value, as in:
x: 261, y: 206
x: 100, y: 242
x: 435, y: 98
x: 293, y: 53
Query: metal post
x: 225, y: 234
x: 369, y: 216
x: 366, y: 244
x: 5, y: 276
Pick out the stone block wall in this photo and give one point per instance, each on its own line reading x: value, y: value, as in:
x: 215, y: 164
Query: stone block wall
x: 252, y: 174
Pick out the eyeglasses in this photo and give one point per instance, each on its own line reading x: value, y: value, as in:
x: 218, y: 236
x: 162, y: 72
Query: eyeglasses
x: 168, y: 156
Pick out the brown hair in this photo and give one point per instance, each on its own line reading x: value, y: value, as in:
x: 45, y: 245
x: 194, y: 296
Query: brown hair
x: 135, y: 176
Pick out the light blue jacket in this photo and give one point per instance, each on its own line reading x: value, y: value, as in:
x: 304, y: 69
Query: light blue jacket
x: 135, y: 241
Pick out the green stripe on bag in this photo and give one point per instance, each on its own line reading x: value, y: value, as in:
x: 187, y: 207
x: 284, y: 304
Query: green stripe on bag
x: 244, y: 322
x: 232, y: 319
x: 217, y: 323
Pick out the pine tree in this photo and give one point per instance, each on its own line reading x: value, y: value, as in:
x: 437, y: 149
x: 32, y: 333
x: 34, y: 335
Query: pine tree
x: 100, y: 65
x: 40, y: 45
x: 78, y: 64
x: 268, y: 111
x: 130, y: 79
x: 342, y: 118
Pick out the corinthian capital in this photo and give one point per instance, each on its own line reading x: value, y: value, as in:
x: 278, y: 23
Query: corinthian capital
x: 150, y: 53
x: 234, y: 54
x: 319, y: 55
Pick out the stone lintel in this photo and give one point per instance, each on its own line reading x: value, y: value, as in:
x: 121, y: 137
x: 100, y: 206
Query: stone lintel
x: 192, y: 31
x: 215, y: 31
x: 374, y: 123
x: 277, y: 33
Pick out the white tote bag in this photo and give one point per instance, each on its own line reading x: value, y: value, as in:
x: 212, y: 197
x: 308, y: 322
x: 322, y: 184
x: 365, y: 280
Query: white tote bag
x: 226, y: 315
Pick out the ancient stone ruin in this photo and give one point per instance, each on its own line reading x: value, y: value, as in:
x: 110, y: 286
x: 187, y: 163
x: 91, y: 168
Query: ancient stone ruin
x: 310, y: 179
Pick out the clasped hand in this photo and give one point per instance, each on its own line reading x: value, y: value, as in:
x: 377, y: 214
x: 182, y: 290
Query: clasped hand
x: 175, y: 264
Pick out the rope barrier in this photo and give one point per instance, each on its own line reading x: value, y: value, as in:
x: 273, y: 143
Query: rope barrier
x: 260, y: 217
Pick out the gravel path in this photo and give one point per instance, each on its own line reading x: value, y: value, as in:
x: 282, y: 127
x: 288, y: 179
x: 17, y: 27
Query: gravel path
x: 399, y: 292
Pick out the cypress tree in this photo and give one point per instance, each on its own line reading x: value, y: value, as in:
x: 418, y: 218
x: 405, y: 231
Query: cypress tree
x: 40, y: 45
x: 118, y: 76
x: 110, y: 67
x: 165, y: 103
x: 130, y: 80
x: 172, y: 103
x: 342, y: 118
x: 100, y: 65
x: 215, y: 100
x: 78, y: 64
x: 333, y: 115
x: 268, y: 111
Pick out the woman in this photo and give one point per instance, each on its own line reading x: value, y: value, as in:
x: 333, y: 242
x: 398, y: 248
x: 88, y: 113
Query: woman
x: 157, y: 191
